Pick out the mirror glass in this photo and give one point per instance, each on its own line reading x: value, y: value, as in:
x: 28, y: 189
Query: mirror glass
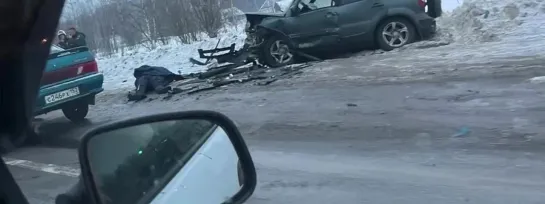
x: 186, y: 160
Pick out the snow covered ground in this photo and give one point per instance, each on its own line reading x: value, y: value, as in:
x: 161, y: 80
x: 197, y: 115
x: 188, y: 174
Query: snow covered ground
x: 118, y: 68
x: 475, y: 31
x: 490, y: 29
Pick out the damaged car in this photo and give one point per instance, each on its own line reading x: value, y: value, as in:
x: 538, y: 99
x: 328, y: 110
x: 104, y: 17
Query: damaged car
x: 318, y: 26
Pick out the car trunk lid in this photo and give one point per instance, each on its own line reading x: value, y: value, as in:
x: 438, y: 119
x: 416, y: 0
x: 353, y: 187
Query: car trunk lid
x: 68, y: 64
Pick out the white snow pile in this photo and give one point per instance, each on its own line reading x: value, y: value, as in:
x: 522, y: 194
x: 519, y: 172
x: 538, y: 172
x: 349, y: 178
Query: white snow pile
x: 118, y: 68
x: 537, y: 80
x: 477, y: 21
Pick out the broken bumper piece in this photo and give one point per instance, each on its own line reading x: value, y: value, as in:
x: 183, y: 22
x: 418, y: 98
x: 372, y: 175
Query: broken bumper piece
x: 226, y: 55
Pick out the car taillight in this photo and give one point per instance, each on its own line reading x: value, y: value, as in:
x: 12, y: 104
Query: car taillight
x: 89, y: 67
x: 422, y: 3
x: 69, y: 72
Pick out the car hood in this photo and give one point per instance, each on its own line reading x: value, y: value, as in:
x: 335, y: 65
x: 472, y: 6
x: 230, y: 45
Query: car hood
x: 258, y: 16
x: 262, y: 14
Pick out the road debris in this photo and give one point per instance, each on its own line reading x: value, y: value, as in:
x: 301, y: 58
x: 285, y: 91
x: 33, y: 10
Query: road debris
x: 230, y: 74
x: 462, y: 132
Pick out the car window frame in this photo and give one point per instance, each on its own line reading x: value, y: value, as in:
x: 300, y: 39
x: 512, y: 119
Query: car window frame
x: 172, y: 172
x: 344, y: 2
x: 302, y: 1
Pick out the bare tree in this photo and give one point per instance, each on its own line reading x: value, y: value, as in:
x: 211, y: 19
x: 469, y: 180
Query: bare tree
x: 113, y: 25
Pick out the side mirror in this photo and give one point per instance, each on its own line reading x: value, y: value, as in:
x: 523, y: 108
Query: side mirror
x: 193, y: 156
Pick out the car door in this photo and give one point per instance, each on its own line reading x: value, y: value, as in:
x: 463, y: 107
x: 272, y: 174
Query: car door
x: 318, y: 27
x: 358, y: 17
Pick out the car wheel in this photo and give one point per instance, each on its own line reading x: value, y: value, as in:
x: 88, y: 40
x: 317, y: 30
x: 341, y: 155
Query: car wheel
x: 395, y: 33
x: 277, y: 52
x: 76, y: 112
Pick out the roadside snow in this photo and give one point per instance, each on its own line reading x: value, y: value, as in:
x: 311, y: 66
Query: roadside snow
x: 473, y: 31
x: 477, y: 21
x: 118, y: 69
x: 449, y: 5
x: 485, y: 30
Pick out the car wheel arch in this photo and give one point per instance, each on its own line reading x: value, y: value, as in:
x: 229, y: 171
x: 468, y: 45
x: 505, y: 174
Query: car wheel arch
x: 266, y: 32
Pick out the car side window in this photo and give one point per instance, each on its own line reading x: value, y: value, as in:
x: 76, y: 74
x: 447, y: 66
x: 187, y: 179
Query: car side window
x: 344, y: 2
x: 55, y: 49
x: 310, y: 5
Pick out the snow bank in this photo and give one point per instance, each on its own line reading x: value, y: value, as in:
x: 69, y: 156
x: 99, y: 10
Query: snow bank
x: 508, y: 27
x: 477, y: 21
x: 449, y: 5
x: 537, y: 80
x: 118, y: 69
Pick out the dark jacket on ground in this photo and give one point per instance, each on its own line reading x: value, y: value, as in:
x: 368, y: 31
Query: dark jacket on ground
x: 156, y: 71
x: 77, y: 40
x: 153, y: 78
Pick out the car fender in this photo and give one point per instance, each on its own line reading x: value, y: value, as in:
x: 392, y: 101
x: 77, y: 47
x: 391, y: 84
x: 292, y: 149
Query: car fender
x: 274, y: 27
x: 405, y: 13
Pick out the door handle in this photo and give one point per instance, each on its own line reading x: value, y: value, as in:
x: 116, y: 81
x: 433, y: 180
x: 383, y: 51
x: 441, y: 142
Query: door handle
x: 330, y: 15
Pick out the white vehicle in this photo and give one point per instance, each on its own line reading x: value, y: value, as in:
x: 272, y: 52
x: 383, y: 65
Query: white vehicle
x: 186, y: 157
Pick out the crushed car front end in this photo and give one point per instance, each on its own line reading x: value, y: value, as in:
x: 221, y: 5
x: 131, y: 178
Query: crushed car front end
x: 260, y: 26
x: 252, y: 41
x: 256, y: 32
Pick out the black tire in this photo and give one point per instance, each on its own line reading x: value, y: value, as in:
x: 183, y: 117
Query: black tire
x: 434, y: 8
x: 411, y: 33
x: 269, y: 59
x: 76, y: 112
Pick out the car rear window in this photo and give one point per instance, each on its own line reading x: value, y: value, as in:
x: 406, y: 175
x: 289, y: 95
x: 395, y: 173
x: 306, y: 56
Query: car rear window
x: 55, y: 49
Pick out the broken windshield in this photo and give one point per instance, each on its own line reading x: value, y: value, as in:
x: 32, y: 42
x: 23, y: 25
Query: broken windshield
x: 280, y: 6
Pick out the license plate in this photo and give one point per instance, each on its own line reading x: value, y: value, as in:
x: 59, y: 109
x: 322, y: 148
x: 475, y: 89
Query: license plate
x: 59, y: 96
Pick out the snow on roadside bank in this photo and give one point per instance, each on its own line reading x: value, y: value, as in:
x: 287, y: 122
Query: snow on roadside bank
x: 486, y: 30
x: 477, y: 30
x: 118, y: 69
x: 478, y: 21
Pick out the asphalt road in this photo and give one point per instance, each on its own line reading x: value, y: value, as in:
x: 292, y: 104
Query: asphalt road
x: 346, y: 133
